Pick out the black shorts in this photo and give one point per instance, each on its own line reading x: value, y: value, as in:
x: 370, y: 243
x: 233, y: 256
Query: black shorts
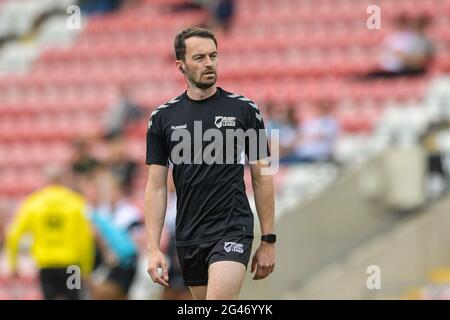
x: 176, y: 281
x: 123, y: 275
x: 196, y: 259
x: 54, y: 284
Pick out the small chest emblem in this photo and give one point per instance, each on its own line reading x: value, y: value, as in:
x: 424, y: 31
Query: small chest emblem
x: 222, y: 121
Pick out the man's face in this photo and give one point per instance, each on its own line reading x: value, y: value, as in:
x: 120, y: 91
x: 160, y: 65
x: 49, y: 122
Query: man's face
x: 200, y: 64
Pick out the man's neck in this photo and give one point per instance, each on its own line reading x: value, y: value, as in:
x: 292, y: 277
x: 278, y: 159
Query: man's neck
x: 201, y: 94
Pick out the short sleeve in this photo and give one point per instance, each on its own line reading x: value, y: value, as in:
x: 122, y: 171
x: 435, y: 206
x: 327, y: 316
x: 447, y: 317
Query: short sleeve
x: 255, y: 121
x: 157, y: 150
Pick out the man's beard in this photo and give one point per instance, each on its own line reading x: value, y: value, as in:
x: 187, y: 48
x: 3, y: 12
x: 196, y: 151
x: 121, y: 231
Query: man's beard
x: 202, y: 85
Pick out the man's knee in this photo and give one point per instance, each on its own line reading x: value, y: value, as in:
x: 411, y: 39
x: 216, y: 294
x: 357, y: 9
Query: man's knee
x: 225, y: 280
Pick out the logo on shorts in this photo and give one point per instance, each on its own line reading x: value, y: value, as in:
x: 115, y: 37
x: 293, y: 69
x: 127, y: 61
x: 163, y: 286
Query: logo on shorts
x: 222, y: 121
x: 234, y: 246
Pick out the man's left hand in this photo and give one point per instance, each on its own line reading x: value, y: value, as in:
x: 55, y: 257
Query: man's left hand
x: 263, y: 260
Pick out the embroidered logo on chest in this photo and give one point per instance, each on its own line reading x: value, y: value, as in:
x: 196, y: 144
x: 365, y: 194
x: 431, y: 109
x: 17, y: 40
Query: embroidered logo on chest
x: 222, y: 121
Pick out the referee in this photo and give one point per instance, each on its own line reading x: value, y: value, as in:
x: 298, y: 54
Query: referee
x: 214, y: 223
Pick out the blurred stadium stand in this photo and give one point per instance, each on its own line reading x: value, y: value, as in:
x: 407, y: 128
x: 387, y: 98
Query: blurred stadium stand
x: 58, y: 83
x: 65, y: 90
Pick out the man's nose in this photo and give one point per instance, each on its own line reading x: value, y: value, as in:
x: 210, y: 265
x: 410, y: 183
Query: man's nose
x: 208, y: 61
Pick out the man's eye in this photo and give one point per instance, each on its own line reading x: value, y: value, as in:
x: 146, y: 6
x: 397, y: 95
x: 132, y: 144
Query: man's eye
x: 198, y: 59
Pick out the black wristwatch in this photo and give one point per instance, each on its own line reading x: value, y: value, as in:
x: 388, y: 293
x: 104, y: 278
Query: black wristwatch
x: 271, y: 238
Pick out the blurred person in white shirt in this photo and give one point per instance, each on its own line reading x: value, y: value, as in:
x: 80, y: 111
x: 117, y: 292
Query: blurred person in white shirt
x: 316, y: 137
x: 406, y: 52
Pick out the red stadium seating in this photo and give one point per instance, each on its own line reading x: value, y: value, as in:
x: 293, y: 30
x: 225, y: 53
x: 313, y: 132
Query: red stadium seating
x: 291, y: 51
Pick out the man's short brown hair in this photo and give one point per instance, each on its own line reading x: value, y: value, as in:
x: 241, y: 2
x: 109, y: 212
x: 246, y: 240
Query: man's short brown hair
x: 180, y: 44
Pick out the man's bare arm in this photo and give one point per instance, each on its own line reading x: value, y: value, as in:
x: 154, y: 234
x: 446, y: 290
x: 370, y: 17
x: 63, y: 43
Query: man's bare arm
x: 264, y: 197
x: 155, y: 204
x: 264, y: 258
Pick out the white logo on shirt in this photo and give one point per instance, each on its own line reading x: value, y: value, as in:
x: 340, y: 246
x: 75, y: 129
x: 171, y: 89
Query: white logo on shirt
x: 222, y: 121
x: 234, y: 246
x: 184, y: 126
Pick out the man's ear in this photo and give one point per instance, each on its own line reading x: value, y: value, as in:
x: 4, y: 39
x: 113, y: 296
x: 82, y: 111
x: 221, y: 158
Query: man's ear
x: 180, y: 66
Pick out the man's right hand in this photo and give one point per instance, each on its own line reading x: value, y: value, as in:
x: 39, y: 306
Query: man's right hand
x: 156, y: 260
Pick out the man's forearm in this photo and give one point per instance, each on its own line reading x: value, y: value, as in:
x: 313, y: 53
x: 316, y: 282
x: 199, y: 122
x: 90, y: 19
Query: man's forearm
x: 265, y: 203
x: 155, y: 211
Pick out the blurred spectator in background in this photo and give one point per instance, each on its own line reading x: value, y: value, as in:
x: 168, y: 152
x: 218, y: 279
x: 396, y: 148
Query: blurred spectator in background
x: 82, y: 163
x: 56, y: 218
x: 220, y: 12
x: 116, y: 222
x: 315, y: 137
x: 122, y: 113
x: 406, y: 52
x: 176, y: 290
x: 189, y: 5
x: 94, y: 186
x: 82, y: 159
x: 89, y: 7
x: 119, y: 163
x: 423, y: 46
x: 436, y: 143
x: 282, y: 119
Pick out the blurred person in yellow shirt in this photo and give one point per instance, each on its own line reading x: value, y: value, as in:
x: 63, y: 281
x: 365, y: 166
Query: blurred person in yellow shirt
x: 55, y: 216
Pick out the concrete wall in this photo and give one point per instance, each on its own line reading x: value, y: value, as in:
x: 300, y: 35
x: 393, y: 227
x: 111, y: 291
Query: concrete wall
x: 404, y: 255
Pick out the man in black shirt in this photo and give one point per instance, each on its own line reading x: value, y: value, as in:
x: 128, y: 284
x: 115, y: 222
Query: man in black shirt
x: 205, y: 134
